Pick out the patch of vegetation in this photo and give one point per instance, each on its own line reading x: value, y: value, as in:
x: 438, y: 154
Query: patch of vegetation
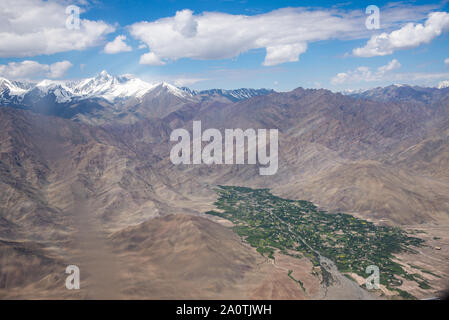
x: 417, y: 231
x: 297, y: 281
x: 424, y: 285
x: 405, y: 294
x: 425, y: 271
x: 266, y: 251
x: 270, y: 223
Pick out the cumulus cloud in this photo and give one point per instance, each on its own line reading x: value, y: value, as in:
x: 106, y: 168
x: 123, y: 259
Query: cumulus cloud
x: 29, y: 69
x: 284, y: 34
x: 185, y: 23
x: 446, y: 61
x: 34, y: 27
x: 284, y: 53
x: 409, y: 36
x: 151, y: 58
x: 58, y: 69
x: 117, y: 45
x: 365, y: 74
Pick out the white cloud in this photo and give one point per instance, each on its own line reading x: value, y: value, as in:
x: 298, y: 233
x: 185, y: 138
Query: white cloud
x: 29, y: 69
x: 24, y: 69
x: 392, y: 65
x: 34, y: 27
x: 284, y: 33
x: 284, y: 53
x: 409, y: 36
x: 117, y: 45
x: 365, y: 74
x: 184, y: 82
x: 446, y: 61
x: 387, y: 74
x: 151, y: 58
x: 58, y: 69
x: 185, y: 23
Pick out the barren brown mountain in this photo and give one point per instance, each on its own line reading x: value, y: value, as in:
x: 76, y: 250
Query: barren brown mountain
x: 108, y: 197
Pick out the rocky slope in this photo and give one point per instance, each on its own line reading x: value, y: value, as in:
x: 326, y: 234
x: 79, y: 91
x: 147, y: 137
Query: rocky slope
x: 62, y: 180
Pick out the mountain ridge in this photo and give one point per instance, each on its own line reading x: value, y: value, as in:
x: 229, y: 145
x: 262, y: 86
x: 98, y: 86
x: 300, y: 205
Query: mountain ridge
x: 105, y: 98
x: 112, y: 88
x: 385, y: 162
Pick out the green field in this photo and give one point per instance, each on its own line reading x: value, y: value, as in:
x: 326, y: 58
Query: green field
x: 295, y: 227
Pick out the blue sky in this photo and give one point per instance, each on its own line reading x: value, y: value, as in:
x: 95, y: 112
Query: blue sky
x: 229, y: 44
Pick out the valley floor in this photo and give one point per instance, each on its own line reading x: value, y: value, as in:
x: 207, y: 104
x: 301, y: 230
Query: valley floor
x: 204, y: 256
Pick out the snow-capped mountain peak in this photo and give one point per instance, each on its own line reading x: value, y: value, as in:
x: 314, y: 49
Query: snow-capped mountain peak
x: 165, y: 87
x: 14, y: 88
x: 233, y: 95
x: 59, y: 89
x: 110, y: 88
x: 348, y: 92
x: 103, y: 86
x: 443, y: 84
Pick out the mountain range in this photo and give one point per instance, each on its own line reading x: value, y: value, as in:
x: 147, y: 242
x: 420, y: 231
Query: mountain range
x: 109, y: 98
x: 86, y: 179
x: 404, y: 93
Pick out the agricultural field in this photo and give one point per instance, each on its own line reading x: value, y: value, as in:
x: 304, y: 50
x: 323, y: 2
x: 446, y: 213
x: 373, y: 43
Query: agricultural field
x: 298, y: 228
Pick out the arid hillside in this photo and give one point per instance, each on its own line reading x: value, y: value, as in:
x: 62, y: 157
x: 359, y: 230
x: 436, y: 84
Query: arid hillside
x: 94, y: 196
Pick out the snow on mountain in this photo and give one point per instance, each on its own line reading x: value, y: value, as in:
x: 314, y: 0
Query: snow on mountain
x: 102, y: 86
x: 238, y: 94
x: 59, y: 89
x: 443, y: 84
x: 165, y: 87
x: 14, y: 88
x: 233, y: 95
x: 348, y: 92
x: 110, y: 88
